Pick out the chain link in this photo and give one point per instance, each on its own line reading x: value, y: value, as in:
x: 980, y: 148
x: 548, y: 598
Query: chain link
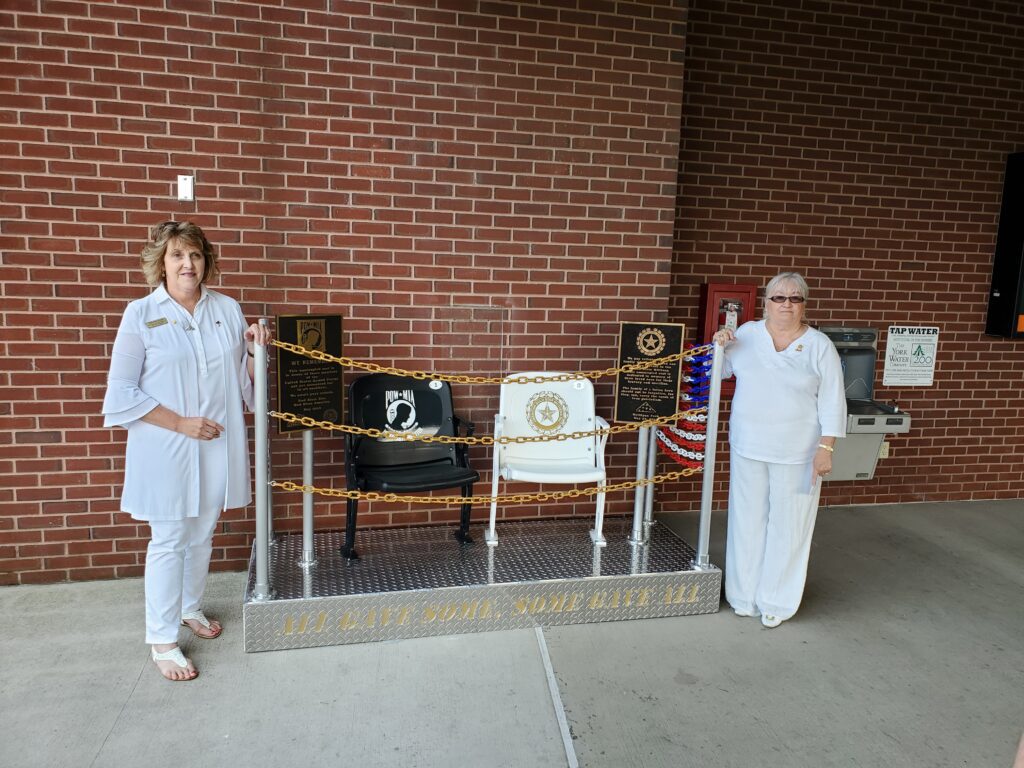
x: 411, y: 437
x: 513, y: 498
x: 349, y: 362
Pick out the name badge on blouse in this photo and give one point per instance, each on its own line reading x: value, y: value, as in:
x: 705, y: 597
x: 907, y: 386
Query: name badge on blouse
x: 156, y: 323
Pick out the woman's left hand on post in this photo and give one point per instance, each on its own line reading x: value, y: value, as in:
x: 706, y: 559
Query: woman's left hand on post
x: 724, y: 336
x: 258, y: 334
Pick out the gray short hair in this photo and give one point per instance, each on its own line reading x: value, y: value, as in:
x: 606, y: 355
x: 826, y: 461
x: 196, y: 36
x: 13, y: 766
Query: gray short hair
x: 787, y: 277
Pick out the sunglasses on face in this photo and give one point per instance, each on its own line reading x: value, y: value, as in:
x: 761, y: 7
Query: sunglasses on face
x: 784, y: 299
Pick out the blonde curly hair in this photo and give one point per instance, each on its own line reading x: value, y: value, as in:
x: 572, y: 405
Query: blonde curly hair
x: 155, y: 250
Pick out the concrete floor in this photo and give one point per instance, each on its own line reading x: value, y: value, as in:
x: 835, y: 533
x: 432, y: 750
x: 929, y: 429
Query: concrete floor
x: 908, y: 651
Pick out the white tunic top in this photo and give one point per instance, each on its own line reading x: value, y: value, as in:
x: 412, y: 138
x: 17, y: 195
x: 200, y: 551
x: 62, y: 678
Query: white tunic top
x: 785, y: 401
x: 197, y: 372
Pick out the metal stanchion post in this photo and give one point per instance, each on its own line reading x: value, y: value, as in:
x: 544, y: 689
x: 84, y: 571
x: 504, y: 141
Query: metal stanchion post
x: 708, y: 488
x: 308, y: 555
x: 636, y: 536
x: 652, y: 448
x: 261, y: 589
x: 271, y: 536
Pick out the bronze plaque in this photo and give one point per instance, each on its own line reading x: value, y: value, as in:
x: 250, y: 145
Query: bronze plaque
x: 308, y: 387
x: 653, y: 392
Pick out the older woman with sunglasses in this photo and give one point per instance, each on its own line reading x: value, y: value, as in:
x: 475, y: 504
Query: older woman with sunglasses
x: 788, y: 410
x: 180, y: 372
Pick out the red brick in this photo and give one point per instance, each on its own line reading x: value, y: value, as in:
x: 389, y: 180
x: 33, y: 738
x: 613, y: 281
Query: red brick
x: 379, y: 159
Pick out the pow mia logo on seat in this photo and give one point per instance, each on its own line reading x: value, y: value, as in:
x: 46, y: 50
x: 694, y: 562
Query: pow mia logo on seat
x: 400, y: 415
x: 401, y: 421
x: 650, y: 342
x: 547, y: 412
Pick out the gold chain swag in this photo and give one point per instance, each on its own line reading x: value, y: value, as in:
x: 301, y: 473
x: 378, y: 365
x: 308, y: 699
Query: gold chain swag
x: 518, y: 498
x: 454, y: 378
x: 410, y: 437
x: 515, y: 498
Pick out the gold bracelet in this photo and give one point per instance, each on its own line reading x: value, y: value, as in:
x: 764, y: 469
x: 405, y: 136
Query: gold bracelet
x: 828, y: 448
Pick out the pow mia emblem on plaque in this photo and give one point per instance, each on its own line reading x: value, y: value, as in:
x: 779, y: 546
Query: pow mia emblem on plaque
x: 311, y: 332
x: 650, y: 342
x: 547, y: 412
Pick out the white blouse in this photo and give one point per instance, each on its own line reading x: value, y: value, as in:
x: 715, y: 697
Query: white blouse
x: 786, y: 401
x: 155, y: 362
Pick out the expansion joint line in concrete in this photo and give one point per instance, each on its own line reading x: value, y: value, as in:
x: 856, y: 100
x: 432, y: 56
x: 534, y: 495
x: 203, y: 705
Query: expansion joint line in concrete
x: 556, y: 700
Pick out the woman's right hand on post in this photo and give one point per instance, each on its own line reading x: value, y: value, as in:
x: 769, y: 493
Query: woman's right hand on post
x: 199, y: 428
x: 724, y: 336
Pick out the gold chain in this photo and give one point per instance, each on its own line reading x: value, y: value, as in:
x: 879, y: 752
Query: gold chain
x: 462, y: 379
x: 514, y: 498
x: 409, y: 437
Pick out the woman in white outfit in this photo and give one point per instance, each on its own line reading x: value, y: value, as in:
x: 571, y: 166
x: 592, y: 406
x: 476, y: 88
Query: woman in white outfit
x: 788, y: 410
x: 180, y: 372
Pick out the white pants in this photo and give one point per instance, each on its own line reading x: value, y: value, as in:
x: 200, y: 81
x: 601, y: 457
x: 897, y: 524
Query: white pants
x: 177, y: 561
x: 772, y: 508
x: 178, y: 557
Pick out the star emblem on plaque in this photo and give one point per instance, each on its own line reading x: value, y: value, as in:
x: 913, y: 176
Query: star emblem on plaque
x: 650, y: 342
x: 649, y: 391
x: 547, y: 412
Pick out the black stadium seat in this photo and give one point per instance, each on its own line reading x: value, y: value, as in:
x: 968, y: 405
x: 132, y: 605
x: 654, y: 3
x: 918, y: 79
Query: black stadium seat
x: 401, y: 404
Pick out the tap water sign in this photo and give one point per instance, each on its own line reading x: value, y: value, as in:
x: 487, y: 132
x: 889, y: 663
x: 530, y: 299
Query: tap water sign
x: 910, y: 354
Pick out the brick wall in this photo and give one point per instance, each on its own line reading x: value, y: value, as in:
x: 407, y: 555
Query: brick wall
x: 863, y: 144
x: 501, y: 181
x: 473, y: 191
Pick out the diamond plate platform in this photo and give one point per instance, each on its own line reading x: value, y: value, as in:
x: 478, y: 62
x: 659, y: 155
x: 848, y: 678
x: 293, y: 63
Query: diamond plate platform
x: 415, y: 582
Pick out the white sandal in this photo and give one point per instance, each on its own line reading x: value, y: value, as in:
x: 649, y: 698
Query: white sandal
x: 177, y: 658
x: 205, y: 622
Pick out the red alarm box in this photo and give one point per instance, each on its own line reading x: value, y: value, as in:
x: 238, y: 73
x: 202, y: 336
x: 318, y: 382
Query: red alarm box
x: 725, y: 305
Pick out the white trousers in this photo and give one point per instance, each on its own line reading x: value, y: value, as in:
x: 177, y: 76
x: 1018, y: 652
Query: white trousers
x: 177, y: 561
x: 772, y: 508
x: 178, y: 557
